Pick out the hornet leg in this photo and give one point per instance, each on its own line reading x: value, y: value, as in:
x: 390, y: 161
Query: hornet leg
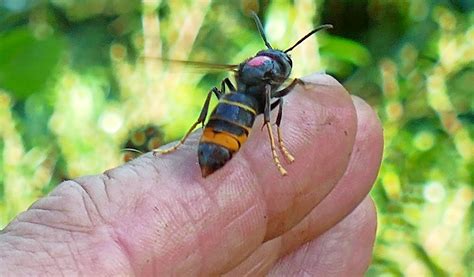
x: 229, y: 84
x: 281, y: 144
x: 217, y: 93
x: 266, y: 118
x: 285, y: 91
x: 201, y: 119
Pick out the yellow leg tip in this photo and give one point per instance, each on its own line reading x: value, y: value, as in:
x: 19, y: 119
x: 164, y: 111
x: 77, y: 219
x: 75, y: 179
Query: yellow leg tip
x: 157, y: 152
x: 282, y: 170
x: 283, y: 149
x: 290, y: 158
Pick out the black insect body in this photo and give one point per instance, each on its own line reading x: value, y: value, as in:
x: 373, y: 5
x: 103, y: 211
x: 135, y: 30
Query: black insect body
x: 258, y: 80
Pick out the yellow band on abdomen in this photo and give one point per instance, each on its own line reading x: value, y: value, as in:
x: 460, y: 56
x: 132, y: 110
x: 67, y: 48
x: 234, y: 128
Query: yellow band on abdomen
x: 238, y: 104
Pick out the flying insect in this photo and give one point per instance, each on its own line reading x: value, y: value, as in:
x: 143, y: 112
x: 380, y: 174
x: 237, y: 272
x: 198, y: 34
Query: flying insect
x: 258, y: 80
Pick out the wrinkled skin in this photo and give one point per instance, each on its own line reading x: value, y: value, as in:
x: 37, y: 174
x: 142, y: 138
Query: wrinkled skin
x: 158, y: 216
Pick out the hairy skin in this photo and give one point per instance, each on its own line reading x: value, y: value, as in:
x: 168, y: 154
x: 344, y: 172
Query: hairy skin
x: 158, y: 216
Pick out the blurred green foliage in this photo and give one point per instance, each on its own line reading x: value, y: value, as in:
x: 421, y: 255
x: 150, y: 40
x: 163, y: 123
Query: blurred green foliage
x: 76, y: 76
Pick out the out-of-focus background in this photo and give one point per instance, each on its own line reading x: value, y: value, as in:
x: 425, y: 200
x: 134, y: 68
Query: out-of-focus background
x: 79, y: 83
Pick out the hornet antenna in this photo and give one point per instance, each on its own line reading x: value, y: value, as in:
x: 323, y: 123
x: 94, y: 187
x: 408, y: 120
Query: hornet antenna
x: 325, y: 26
x: 260, y: 29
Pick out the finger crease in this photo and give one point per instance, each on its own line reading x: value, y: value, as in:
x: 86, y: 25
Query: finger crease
x: 85, y: 194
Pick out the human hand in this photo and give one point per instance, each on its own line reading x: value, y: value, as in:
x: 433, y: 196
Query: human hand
x: 158, y: 216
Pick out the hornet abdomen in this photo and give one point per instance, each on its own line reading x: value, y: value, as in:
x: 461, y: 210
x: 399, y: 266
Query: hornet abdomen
x: 226, y: 131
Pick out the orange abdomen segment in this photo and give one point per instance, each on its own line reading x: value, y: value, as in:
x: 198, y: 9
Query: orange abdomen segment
x: 227, y: 140
x: 216, y: 149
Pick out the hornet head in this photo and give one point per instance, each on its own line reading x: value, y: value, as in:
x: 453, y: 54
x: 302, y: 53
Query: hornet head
x: 269, y: 66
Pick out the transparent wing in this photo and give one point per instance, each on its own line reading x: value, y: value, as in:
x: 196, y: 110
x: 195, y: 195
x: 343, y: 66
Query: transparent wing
x: 197, y: 65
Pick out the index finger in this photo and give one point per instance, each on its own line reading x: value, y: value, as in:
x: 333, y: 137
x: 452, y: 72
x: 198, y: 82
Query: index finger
x: 220, y: 220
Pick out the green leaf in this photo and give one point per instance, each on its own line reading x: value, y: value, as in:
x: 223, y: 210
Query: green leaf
x: 345, y: 50
x: 27, y: 62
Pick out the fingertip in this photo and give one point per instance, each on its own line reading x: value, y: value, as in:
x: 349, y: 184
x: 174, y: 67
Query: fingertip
x: 373, y: 213
x: 330, y: 255
x: 369, y: 128
x: 368, y: 114
x: 318, y: 126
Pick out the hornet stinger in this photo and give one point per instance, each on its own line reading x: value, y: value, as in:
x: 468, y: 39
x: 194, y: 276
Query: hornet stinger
x: 258, y: 80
